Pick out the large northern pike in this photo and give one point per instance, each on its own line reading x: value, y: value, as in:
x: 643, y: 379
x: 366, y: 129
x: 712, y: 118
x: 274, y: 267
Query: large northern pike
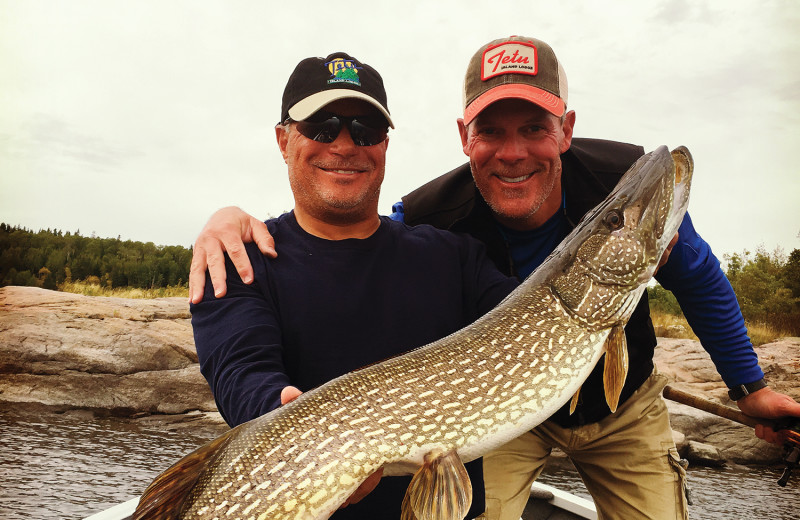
x: 453, y: 400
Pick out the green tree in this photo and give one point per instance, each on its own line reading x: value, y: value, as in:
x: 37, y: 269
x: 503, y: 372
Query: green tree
x: 68, y: 257
x: 791, y: 273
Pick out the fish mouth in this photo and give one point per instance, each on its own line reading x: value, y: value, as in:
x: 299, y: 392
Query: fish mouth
x: 666, y: 205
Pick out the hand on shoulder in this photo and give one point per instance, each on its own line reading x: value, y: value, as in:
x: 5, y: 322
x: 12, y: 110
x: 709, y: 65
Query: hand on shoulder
x: 226, y: 231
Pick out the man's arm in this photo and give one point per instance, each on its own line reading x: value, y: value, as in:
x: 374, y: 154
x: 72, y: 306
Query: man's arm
x: 226, y: 231
x: 239, y: 346
x: 705, y: 295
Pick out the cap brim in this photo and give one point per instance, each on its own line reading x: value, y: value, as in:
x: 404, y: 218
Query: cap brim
x: 548, y: 101
x: 306, y: 107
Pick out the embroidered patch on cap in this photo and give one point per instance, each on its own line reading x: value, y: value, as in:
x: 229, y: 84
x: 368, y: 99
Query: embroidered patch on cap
x: 343, y: 71
x: 509, y: 57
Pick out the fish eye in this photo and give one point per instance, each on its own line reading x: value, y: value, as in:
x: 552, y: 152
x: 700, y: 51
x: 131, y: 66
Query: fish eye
x: 614, y: 219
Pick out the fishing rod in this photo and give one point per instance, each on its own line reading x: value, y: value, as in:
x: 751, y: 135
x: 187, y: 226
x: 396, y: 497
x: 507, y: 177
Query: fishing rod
x: 788, y: 426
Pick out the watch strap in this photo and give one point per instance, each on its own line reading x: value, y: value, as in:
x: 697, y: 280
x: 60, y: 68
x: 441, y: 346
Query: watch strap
x: 739, y: 391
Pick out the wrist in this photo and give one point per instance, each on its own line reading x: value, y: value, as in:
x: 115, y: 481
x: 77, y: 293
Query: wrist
x: 739, y: 391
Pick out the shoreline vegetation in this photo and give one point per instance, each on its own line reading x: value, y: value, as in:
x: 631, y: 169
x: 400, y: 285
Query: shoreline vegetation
x: 767, y: 285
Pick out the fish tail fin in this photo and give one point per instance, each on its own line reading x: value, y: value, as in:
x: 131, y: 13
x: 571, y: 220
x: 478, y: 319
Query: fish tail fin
x: 615, y: 369
x: 165, y: 496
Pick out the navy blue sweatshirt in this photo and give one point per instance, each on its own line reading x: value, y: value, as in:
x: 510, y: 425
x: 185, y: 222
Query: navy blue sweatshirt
x: 323, y: 308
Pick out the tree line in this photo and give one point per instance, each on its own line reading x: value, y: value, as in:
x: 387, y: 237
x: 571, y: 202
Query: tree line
x: 767, y: 286
x: 49, y: 258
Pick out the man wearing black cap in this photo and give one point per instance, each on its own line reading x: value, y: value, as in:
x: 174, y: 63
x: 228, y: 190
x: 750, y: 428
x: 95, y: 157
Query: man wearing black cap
x: 319, y: 309
x: 527, y: 183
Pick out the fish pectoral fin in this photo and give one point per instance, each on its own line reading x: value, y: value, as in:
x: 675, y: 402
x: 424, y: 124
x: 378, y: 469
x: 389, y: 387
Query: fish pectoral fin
x: 165, y: 496
x: 615, y: 369
x: 439, y: 490
x: 574, y: 402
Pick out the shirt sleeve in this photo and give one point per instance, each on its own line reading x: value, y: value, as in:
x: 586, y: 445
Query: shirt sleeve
x: 705, y: 295
x: 238, y: 340
x: 398, y: 212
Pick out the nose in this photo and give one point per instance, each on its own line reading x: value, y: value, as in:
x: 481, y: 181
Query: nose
x: 512, y: 149
x: 343, y: 144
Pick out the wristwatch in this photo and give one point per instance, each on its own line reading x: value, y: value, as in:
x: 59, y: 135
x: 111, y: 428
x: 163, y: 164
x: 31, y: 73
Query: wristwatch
x: 739, y: 391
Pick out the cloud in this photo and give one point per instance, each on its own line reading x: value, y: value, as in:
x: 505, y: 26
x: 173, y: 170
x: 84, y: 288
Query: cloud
x: 55, y: 146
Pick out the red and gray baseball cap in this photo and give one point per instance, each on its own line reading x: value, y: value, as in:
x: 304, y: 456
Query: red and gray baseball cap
x: 515, y: 67
x: 316, y: 82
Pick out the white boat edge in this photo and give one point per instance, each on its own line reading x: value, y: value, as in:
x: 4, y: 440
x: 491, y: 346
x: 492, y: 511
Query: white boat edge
x: 559, y: 499
x: 565, y: 501
x: 121, y: 511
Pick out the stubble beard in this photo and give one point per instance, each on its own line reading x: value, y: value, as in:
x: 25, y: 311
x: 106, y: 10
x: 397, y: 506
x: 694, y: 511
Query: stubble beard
x: 340, y: 210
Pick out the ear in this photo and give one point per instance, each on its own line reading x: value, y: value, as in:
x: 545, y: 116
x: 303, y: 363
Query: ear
x: 566, y: 127
x: 464, y: 133
x: 282, y: 135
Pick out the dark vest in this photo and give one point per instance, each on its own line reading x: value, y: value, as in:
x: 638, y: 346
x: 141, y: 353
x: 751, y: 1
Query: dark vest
x: 591, y: 169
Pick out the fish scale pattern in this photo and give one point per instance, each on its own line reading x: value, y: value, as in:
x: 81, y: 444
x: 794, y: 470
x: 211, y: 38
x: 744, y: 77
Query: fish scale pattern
x: 489, y: 381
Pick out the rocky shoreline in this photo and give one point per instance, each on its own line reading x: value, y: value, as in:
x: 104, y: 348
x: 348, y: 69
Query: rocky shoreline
x: 135, y: 359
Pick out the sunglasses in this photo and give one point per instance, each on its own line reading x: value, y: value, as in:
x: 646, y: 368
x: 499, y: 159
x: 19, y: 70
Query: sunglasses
x: 325, y: 128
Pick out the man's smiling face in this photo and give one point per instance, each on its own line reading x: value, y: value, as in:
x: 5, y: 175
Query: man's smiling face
x: 335, y: 181
x: 514, y: 149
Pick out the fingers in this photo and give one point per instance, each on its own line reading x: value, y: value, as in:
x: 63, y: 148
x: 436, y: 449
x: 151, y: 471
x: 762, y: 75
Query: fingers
x: 216, y: 269
x: 262, y: 238
x: 668, y: 251
x: 225, y: 231
x: 208, y: 254
x: 364, y: 489
x: 197, y: 276
x: 233, y: 244
x: 769, y: 404
x: 289, y: 394
x: 767, y: 434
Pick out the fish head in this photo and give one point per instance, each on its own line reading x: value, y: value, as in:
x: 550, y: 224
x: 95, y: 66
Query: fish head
x: 601, y: 269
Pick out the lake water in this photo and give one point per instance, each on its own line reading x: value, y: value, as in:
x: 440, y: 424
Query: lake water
x: 70, y: 466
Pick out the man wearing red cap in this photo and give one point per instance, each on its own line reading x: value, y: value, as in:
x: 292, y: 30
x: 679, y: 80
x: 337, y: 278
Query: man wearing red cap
x: 534, y: 182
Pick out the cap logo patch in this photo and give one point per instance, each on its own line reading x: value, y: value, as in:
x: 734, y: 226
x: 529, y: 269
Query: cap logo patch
x: 509, y: 58
x: 343, y: 71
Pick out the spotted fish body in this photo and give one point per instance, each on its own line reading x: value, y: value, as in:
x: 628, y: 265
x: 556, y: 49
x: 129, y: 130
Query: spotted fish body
x: 464, y: 394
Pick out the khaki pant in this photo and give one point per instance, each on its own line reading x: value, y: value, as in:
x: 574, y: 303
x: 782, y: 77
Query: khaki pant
x: 628, y: 462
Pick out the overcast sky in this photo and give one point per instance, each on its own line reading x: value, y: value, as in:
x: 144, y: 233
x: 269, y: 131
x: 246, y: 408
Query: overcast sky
x: 140, y: 118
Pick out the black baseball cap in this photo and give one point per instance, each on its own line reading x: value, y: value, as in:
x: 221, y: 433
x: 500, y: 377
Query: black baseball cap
x: 316, y: 82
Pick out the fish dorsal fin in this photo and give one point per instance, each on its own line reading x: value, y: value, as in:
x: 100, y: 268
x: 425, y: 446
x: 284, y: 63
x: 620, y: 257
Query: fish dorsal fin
x: 439, y: 490
x: 165, y: 496
x: 615, y: 369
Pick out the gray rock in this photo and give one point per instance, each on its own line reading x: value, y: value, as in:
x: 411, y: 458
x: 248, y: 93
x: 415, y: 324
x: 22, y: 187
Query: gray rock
x: 690, y: 369
x: 114, y: 355
x: 703, y: 455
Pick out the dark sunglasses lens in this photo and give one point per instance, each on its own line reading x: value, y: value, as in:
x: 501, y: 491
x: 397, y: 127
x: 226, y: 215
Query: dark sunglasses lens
x: 321, y: 131
x: 363, y: 131
x: 367, y: 133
